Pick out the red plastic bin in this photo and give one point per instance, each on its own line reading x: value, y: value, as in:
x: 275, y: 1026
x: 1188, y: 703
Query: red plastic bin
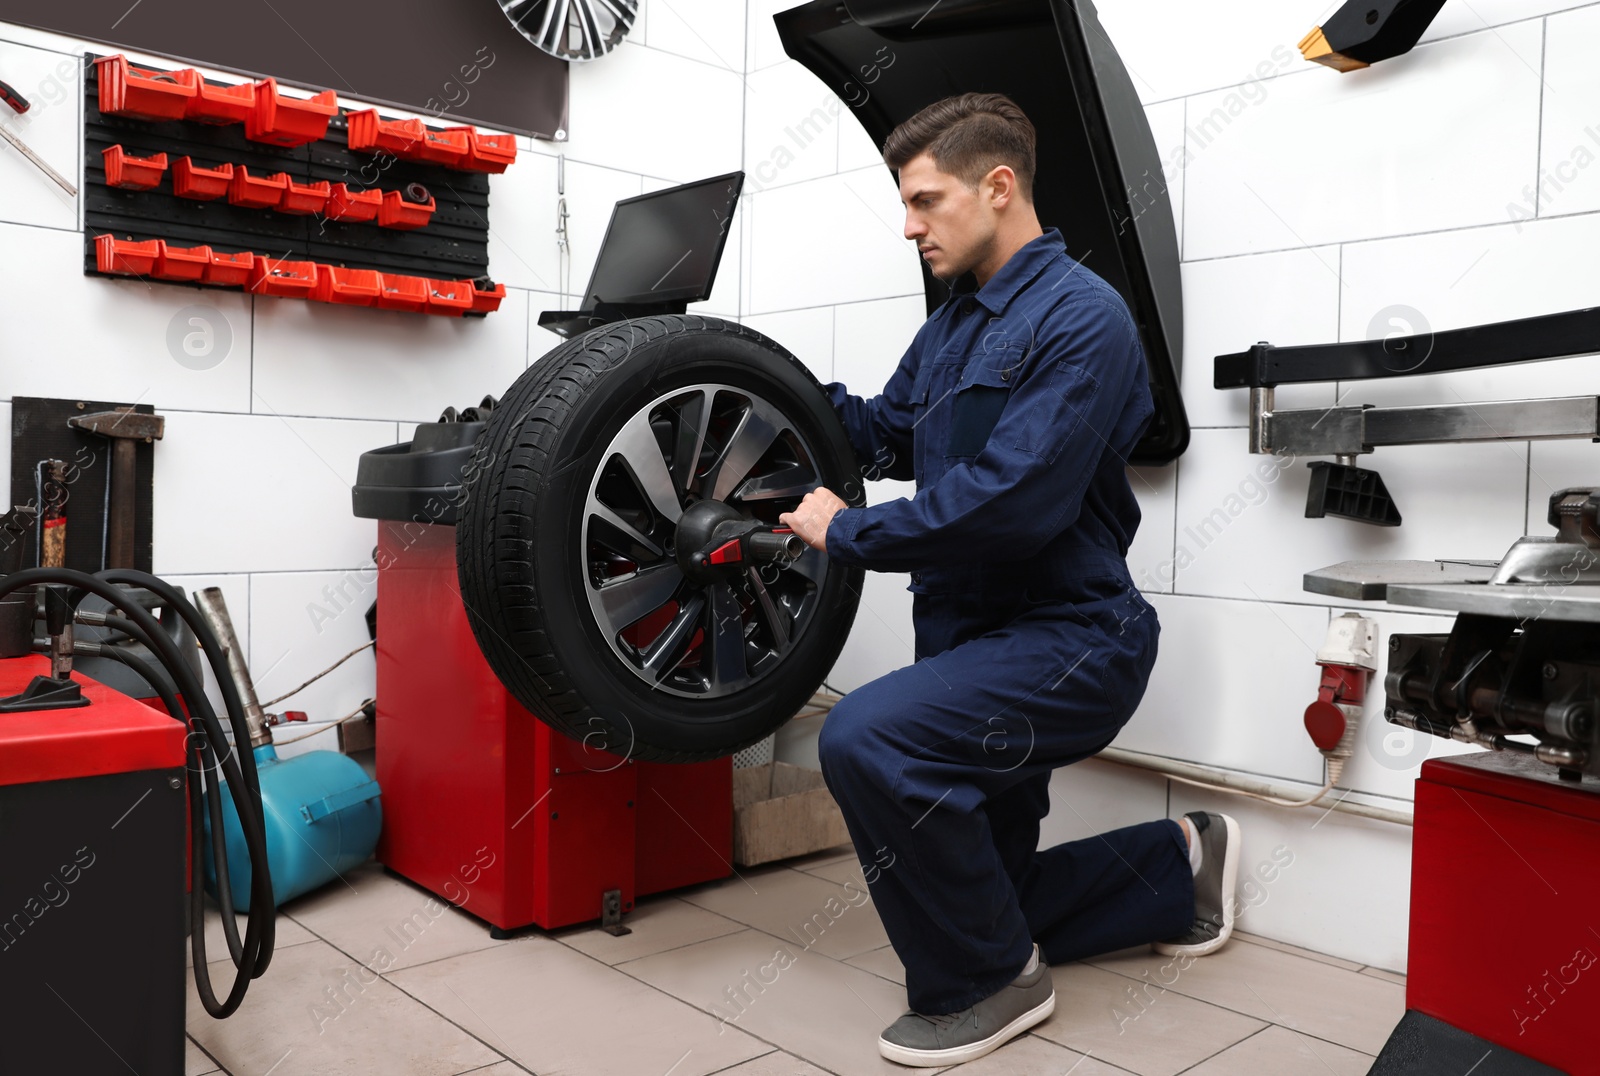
x: 230, y: 270
x: 450, y: 298
x: 300, y: 199
x: 222, y: 104
x: 351, y: 287
x: 489, y: 152
x: 257, y: 192
x: 289, y: 121
x: 182, y: 263
x: 133, y: 173
x: 144, y: 93
x: 403, y: 292
x: 448, y: 147
x: 396, y: 212
x: 367, y: 133
x: 487, y: 300
x: 291, y: 280
x: 200, y: 184
x: 137, y: 258
x: 352, y: 207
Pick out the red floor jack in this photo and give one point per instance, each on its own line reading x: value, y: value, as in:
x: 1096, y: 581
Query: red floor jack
x: 484, y: 804
x: 1504, y: 964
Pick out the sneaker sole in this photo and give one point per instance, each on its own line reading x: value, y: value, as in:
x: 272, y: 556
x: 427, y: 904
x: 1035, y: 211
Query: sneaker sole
x: 956, y: 1055
x: 1230, y: 890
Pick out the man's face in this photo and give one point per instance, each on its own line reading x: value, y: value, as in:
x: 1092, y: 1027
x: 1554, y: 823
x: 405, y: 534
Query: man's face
x: 954, y: 227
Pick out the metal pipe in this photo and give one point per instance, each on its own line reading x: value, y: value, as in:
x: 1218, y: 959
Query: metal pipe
x: 1225, y: 781
x: 215, y: 610
x: 1261, y: 403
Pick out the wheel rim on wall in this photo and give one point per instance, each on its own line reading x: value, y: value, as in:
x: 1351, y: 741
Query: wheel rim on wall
x: 681, y: 636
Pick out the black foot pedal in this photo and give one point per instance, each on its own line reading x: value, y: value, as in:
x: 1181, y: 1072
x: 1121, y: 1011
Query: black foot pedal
x: 1338, y: 489
x: 43, y: 693
x: 1423, y: 1046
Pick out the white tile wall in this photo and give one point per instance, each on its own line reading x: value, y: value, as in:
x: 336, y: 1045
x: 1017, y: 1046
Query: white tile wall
x: 68, y: 334
x: 1571, y: 131
x: 765, y: 48
x: 592, y: 193
x: 711, y: 31
x: 301, y: 623
x: 832, y: 240
x: 259, y: 493
x: 1230, y: 304
x: 1479, y: 14
x: 808, y: 334
x: 870, y: 339
x: 522, y: 223
x: 621, y: 115
x: 370, y: 363
x: 790, y: 127
x: 50, y: 82
x: 1244, y: 536
x: 1231, y: 685
x: 1095, y: 796
x: 1434, y: 139
x: 236, y: 594
x: 1151, y: 557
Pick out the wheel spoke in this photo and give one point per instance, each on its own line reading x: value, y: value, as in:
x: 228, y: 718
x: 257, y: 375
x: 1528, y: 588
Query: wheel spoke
x: 600, y: 510
x: 813, y: 564
x: 630, y: 600
x: 693, y: 418
x: 642, y: 453
x: 663, y: 655
x: 795, y: 480
x: 756, y: 432
x: 777, y: 618
x: 726, y: 632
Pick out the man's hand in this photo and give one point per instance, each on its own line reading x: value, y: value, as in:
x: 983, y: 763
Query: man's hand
x: 811, y: 518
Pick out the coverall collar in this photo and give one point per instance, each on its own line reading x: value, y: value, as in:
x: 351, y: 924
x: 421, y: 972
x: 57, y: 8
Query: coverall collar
x: 1028, y: 262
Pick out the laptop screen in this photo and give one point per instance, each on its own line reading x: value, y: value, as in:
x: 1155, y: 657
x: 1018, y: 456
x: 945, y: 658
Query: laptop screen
x: 665, y: 245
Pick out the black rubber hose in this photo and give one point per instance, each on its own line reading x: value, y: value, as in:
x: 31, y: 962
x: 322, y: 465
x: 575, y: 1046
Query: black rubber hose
x: 259, y: 933
x: 141, y: 668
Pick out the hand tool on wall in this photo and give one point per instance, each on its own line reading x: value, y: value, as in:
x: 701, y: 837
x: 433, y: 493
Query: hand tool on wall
x: 125, y: 428
x: 19, y: 104
x: 52, y: 514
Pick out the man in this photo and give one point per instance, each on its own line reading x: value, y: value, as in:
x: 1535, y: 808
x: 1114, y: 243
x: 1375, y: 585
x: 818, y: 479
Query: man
x: 1014, y: 410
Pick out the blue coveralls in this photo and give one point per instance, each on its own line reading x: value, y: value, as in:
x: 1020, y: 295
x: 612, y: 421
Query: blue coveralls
x: 1014, y: 410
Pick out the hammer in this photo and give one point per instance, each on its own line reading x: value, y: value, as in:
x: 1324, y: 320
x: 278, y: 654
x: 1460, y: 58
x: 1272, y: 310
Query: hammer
x: 125, y: 428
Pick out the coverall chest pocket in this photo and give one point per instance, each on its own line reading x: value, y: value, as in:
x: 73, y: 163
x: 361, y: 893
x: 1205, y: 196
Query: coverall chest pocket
x: 981, y: 395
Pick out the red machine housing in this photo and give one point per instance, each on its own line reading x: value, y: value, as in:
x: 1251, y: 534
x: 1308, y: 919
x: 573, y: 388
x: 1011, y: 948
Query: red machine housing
x: 490, y: 808
x: 1505, y: 939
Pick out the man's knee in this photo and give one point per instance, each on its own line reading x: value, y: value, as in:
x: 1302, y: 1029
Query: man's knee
x: 849, y: 740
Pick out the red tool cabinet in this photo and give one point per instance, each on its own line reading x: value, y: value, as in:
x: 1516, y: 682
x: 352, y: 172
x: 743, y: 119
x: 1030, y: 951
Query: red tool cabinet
x: 1505, y: 905
x: 487, y: 806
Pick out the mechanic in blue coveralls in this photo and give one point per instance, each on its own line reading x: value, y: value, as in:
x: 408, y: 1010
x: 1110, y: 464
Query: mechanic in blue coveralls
x: 1014, y: 410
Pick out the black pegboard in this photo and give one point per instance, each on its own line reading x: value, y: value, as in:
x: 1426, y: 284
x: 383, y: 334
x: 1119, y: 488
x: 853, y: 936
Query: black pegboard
x: 39, y: 431
x: 453, y: 246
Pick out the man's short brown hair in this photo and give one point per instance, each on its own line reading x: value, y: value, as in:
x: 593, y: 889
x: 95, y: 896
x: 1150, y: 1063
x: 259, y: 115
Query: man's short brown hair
x: 968, y: 136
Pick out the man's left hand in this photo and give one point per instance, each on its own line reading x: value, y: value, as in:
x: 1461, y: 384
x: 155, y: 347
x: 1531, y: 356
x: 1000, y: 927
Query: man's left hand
x: 811, y: 517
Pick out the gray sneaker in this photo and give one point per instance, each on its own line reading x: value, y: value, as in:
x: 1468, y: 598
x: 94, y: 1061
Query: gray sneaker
x: 928, y: 1041
x: 1215, y: 888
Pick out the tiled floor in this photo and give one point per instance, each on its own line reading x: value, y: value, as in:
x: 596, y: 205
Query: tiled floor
x: 373, y: 976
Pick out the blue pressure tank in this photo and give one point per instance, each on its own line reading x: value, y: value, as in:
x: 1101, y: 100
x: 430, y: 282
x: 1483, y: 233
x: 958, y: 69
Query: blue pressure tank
x: 322, y: 818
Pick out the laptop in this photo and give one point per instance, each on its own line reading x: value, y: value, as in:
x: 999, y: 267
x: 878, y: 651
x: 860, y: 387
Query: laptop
x: 660, y: 253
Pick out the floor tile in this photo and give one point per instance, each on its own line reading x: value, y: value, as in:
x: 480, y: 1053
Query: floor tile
x: 504, y: 1068
x: 554, y: 1010
x: 385, y: 915
x: 1278, y: 1050
x: 287, y: 933
x: 882, y: 963
x: 1033, y: 1056
x: 316, y: 1012
x: 777, y: 1063
x: 1386, y: 976
x: 1135, y: 1024
x: 801, y: 1001
x: 658, y: 924
x: 195, y: 1061
x: 1330, y: 1003
x: 843, y: 852
x: 1285, y: 947
x: 802, y: 909
x: 842, y: 870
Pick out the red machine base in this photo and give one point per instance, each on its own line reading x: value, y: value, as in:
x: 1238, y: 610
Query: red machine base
x: 485, y: 805
x: 1505, y: 935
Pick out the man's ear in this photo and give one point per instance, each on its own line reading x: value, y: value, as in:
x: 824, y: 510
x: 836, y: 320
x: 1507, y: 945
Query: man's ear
x: 1001, y: 185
